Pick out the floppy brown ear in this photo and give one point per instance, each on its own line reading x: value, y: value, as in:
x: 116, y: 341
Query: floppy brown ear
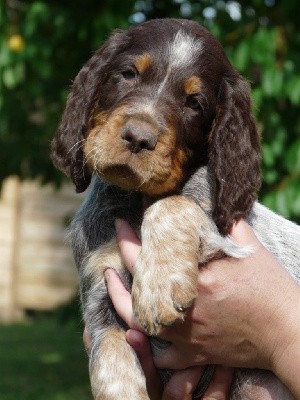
x: 234, y: 154
x: 67, y: 145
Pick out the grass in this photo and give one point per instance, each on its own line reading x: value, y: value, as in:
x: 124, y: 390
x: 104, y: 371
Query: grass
x: 43, y: 360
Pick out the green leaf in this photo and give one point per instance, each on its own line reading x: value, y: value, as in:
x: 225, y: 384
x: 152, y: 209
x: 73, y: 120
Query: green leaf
x: 282, y: 203
x: 270, y: 177
x: 292, y: 90
x: 272, y: 82
x: 292, y: 158
x: 263, y: 47
x: 268, y: 155
x: 269, y: 201
x: 13, y: 75
x: 5, y: 55
x: 241, y: 56
x: 9, y: 78
x: 258, y: 96
x: 296, y: 203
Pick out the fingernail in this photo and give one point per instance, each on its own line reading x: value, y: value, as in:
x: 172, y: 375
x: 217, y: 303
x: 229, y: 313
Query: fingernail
x: 107, y: 274
x: 136, y: 339
x: 118, y: 224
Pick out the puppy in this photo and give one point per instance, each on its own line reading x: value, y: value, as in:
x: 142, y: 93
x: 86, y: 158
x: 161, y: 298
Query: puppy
x: 158, y: 119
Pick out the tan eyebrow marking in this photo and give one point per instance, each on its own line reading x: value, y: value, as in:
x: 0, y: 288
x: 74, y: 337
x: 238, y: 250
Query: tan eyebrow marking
x: 143, y: 62
x: 192, y: 85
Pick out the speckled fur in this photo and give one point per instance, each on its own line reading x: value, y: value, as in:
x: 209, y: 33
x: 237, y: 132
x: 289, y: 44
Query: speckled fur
x: 154, y: 109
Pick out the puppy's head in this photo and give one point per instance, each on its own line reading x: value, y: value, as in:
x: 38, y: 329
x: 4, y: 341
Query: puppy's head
x: 153, y: 104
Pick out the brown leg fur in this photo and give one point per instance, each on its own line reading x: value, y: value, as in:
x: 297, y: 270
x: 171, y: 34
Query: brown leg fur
x: 165, y: 281
x: 115, y: 372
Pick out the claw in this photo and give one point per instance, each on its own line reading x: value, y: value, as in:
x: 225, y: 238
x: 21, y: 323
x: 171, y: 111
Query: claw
x: 179, y: 308
x: 183, y: 307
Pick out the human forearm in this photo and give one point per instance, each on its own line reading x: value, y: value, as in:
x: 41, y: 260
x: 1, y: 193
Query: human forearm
x: 288, y: 369
x: 286, y: 357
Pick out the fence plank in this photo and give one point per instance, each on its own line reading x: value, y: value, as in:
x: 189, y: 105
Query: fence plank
x: 36, y: 265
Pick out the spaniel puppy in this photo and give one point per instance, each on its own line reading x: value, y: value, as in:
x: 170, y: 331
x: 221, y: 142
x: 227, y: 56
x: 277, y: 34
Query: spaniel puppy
x: 161, y: 123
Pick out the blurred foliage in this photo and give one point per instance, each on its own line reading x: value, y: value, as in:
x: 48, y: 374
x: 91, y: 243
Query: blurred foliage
x: 43, y: 44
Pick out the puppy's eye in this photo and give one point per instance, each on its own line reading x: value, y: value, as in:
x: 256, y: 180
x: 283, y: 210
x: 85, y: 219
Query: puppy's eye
x: 129, y: 74
x: 193, y: 103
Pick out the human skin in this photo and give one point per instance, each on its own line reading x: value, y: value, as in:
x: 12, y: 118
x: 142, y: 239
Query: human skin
x: 246, y: 315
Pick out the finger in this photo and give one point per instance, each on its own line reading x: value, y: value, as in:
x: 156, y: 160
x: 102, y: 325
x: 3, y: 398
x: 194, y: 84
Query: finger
x: 120, y: 298
x: 182, y: 384
x: 220, y: 385
x: 141, y: 345
x: 171, y: 358
x: 86, y: 340
x: 242, y: 233
x: 128, y: 242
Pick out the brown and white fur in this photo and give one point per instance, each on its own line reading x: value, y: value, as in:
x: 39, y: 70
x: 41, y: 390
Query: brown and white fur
x: 159, y: 117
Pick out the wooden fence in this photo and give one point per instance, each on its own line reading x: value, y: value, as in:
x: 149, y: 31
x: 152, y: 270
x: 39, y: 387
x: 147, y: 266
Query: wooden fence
x: 37, y: 271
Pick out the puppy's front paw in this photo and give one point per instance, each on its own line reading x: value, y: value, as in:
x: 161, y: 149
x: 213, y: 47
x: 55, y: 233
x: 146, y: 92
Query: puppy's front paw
x: 163, y: 290
x: 165, y: 281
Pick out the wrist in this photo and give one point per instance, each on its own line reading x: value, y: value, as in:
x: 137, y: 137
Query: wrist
x: 287, y: 367
x: 285, y: 359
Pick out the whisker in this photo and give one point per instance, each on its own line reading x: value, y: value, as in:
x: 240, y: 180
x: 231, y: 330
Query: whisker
x: 86, y: 158
x: 79, y: 143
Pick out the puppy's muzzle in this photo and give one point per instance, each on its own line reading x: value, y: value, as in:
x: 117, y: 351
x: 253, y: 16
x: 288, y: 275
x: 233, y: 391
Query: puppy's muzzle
x: 138, y: 137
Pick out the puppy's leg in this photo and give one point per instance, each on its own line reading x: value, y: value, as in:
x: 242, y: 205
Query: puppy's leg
x: 176, y: 235
x: 115, y: 372
x: 114, y: 369
x: 165, y: 281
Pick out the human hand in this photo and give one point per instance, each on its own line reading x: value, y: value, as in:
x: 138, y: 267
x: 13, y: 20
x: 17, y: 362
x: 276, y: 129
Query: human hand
x: 243, y: 315
x: 183, y: 382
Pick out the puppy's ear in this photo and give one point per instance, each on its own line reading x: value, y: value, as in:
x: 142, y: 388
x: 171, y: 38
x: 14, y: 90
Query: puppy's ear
x: 67, y: 145
x: 234, y: 154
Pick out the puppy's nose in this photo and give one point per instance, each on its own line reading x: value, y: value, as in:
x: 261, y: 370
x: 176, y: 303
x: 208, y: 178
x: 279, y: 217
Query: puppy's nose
x: 138, y: 139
